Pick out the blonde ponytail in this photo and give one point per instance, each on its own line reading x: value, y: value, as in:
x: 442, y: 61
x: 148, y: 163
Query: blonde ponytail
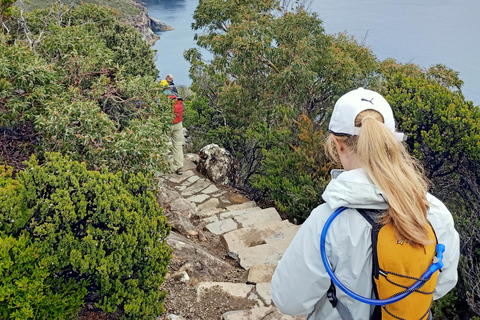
x: 395, y: 172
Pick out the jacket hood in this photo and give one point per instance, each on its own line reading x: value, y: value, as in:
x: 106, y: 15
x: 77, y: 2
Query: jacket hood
x: 354, y: 189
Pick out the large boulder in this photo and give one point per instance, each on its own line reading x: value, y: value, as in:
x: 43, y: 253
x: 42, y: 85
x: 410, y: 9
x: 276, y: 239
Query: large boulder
x: 216, y: 163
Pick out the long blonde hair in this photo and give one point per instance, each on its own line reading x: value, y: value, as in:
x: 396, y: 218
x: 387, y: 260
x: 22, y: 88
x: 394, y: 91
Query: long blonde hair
x: 394, y: 171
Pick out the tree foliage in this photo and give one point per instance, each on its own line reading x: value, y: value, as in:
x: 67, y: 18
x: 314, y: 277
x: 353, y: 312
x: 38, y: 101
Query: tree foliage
x: 295, y: 176
x: 87, y: 82
x: 267, y: 59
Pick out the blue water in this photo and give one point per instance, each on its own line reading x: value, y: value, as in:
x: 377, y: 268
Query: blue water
x: 425, y: 32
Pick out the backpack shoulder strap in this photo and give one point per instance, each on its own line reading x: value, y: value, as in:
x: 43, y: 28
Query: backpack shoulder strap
x: 337, y: 304
x: 372, y: 217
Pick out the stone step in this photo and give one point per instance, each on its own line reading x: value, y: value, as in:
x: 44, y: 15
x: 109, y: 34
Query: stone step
x: 211, y: 219
x: 255, y: 218
x: 260, y: 313
x: 196, y: 187
x: 239, y: 212
x: 222, y: 226
x: 188, y: 164
x: 261, y: 273
x: 259, y: 234
x: 209, y: 208
x: 175, y: 178
x: 198, y: 198
x: 212, y: 207
x: 264, y: 291
x: 245, y: 205
x: 211, y: 189
x: 269, y: 253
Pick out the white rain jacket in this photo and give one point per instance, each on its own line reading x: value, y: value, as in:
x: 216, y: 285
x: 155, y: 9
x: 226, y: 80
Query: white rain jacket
x: 300, y: 282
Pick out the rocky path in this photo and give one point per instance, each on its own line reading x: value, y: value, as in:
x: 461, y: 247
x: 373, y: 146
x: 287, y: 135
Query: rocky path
x: 225, y: 249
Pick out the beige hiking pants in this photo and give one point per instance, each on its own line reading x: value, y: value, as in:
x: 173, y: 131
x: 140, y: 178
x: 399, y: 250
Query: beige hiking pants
x: 176, y: 136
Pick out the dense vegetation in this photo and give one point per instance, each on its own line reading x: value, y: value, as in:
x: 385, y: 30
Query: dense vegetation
x: 79, y: 221
x: 76, y: 81
x: 267, y: 95
x: 80, y: 232
x: 123, y: 7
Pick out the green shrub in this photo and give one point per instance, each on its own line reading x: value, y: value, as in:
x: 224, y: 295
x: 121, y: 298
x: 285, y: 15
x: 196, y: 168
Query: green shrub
x: 93, y: 225
x: 28, y: 290
x: 295, y: 176
x: 121, y: 137
x: 89, y: 86
x: 26, y: 81
x: 130, y: 50
x: 124, y: 7
x: 445, y: 308
x: 77, y: 54
x: 295, y: 193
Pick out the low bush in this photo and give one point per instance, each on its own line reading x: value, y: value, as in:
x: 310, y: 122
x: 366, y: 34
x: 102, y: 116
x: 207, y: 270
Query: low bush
x: 28, y: 290
x: 94, y: 226
x: 294, y: 176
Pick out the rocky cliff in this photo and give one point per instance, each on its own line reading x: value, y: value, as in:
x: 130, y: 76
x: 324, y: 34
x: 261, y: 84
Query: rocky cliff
x: 146, y: 24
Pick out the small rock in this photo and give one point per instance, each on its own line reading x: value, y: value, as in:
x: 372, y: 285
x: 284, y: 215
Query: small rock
x: 187, y: 267
x: 181, y: 276
x: 239, y: 199
x: 195, y: 158
x: 192, y: 233
x: 232, y: 255
x: 201, y: 236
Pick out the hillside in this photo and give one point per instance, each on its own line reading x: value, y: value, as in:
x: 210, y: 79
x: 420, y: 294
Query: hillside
x: 123, y: 6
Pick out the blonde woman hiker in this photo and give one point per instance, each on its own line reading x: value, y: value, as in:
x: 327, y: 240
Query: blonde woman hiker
x: 387, y: 238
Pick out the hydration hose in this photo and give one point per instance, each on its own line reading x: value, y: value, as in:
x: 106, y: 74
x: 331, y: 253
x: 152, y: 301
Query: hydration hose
x: 436, y: 265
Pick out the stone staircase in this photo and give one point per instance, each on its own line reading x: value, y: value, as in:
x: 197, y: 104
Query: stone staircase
x: 255, y: 237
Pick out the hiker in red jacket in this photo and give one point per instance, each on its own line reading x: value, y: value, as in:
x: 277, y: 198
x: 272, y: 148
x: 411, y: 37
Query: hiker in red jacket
x: 176, y: 134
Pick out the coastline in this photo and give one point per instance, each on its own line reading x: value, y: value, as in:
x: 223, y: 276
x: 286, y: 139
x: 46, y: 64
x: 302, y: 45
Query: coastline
x: 145, y: 24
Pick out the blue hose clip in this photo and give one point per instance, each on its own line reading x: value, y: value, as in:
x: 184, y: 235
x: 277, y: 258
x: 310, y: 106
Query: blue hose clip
x: 436, y: 265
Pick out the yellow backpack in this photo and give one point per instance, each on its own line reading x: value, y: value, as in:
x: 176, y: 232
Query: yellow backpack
x: 396, y: 267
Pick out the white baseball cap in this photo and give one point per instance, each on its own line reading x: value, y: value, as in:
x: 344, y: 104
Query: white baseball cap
x: 352, y: 103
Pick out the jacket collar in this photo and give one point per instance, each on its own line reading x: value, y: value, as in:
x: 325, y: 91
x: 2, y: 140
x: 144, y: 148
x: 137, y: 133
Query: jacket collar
x: 354, y: 189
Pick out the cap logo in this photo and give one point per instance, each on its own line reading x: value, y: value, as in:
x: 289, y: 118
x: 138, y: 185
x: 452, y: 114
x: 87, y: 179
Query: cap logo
x: 363, y: 99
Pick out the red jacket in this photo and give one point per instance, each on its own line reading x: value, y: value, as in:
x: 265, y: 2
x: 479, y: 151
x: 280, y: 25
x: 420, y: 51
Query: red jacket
x: 177, y: 109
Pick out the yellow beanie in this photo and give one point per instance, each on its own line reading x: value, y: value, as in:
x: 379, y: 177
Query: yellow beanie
x: 164, y: 83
